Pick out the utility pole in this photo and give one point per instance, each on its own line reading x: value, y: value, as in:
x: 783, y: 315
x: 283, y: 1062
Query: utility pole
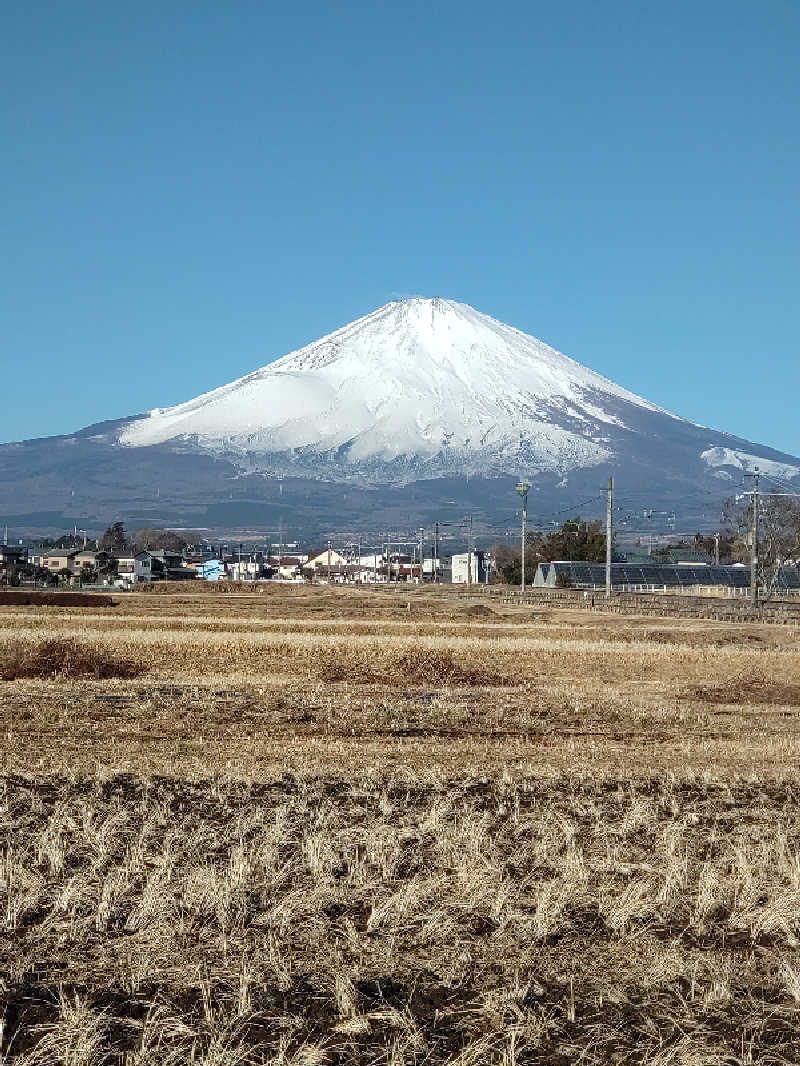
x: 329, y: 562
x: 421, y: 554
x: 522, y: 488
x: 609, y: 532
x: 754, y: 543
x: 436, y: 555
x: 469, y: 551
x: 716, y: 549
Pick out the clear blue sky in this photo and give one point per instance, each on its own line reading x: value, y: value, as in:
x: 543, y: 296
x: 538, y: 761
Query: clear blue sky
x: 190, y: 190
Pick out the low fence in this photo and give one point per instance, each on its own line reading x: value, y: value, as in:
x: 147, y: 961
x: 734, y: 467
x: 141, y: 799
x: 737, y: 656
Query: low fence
x: 708, y: 591
x: 678, y: 605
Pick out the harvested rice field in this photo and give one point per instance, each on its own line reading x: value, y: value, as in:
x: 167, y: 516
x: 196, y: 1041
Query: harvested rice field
x: 315, y: 826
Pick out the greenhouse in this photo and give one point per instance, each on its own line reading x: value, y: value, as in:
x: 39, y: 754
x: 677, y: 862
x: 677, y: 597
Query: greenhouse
x: 584, y: 575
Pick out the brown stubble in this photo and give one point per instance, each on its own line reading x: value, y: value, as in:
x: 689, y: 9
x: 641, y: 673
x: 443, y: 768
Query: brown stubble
x: 320, y: 827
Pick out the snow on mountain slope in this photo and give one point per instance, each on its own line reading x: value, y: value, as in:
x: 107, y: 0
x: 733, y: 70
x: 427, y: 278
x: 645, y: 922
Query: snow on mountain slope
x: 736, y: 459
x: 417, y: 382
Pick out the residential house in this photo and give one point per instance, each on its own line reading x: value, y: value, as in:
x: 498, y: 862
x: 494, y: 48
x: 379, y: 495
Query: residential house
x: 167, y: 556
x: 165, y: 561
x: 90, y: 559
x: 211, y: 570
x: 133, y: 567
x: 289, y: 567
x: 330, y: 557
x: 12, y: 555
x: 57, y: 559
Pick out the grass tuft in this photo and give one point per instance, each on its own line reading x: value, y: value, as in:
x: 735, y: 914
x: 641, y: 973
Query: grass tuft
x: 414, y: 666
x: 64, y: 658
x: 751, y: 687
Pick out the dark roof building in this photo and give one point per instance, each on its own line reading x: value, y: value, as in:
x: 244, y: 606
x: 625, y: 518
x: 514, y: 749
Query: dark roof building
x: 12, y: 555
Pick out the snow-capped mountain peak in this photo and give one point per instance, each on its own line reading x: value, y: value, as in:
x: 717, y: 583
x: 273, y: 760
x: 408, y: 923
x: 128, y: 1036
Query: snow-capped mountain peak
x: 420, y: 385
x: 424, y: 410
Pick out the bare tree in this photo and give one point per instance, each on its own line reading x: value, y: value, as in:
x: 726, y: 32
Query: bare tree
x: 144, y: 539
x: 778, y: 532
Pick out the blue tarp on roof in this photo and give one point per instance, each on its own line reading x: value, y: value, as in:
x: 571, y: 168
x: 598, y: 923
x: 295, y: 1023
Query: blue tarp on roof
x: 212, y: 569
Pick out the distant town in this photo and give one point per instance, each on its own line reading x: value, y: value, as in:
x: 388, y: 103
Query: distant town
x: 572, y: 557
x: 162, y: 555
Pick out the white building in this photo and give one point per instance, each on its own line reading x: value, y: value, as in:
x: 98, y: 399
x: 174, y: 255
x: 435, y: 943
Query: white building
x: 428, y: 568
x: 327, y: 558
x: 244, y: 570
x: 471, y: 567
x: 370, y: 561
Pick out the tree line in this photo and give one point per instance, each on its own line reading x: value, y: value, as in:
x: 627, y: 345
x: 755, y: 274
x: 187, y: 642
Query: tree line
x: 576, y: 539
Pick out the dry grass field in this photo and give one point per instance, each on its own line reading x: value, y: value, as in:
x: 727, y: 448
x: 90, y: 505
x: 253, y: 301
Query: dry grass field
x: 314, y: 827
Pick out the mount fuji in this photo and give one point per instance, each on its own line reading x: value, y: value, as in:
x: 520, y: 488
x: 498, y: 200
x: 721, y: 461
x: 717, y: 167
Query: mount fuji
x: 418, y: 388
x: 420, y: 405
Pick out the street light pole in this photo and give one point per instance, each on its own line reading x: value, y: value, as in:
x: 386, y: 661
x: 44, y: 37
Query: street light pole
x: 522, y: 488
x: 609, y: 532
